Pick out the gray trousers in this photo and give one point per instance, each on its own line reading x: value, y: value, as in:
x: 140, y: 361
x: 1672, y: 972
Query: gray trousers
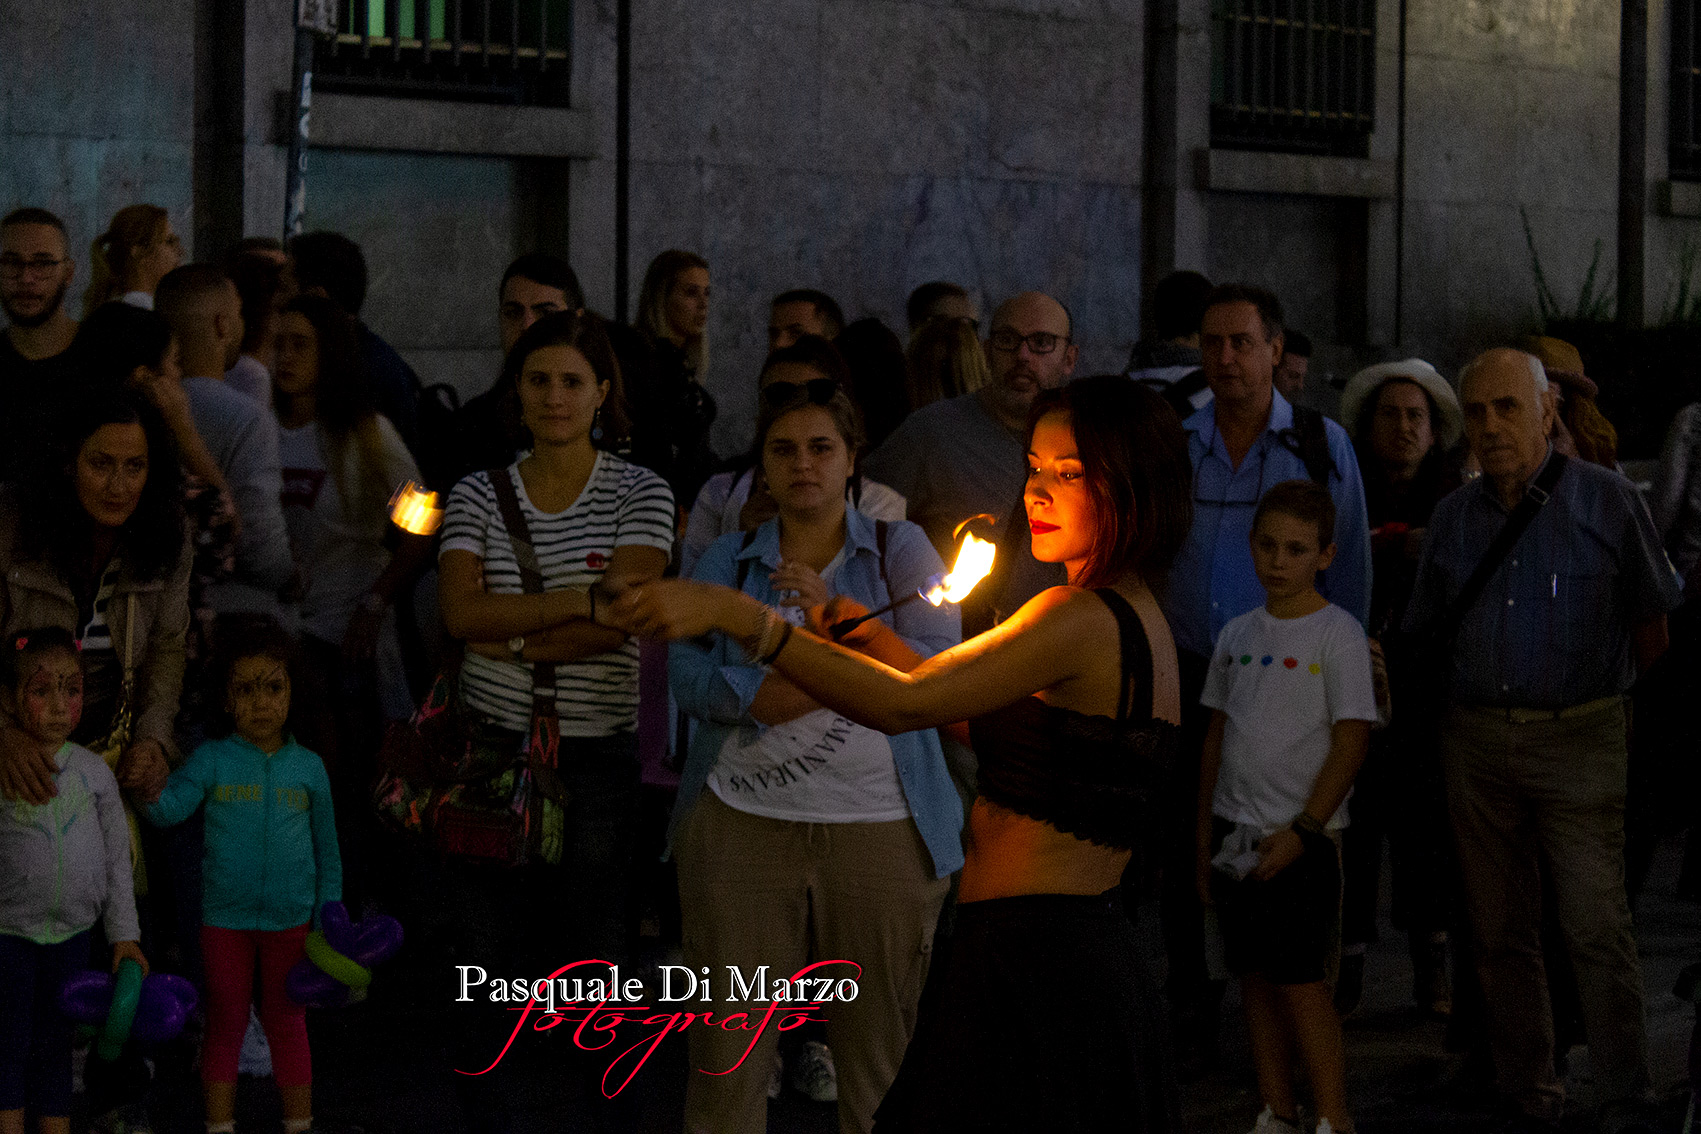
x: 1548, y: 792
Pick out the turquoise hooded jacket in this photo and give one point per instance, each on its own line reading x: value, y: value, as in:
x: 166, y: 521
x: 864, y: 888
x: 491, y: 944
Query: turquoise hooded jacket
x: 271, y: 858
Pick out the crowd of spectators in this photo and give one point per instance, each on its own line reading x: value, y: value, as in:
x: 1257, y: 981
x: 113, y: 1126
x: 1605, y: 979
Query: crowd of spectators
x: 1416, y: 625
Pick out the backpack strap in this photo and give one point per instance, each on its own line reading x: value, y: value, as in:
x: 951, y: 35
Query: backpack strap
x: 743, y: 563
x: 1308, y: 440
x: 880, y: 529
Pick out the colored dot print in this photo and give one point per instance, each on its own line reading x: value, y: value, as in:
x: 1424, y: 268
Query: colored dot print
x: 1266, y: 660
x: 1290, y: 662
x: 1245, y: 659
x: 1315, y: 668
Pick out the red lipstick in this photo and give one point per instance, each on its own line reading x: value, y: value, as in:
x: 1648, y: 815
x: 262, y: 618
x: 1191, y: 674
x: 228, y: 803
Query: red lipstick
x: 1040, y: 527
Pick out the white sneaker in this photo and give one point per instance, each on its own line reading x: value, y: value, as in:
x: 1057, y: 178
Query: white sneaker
x: 813, y: 1073
x: 776, y: 1081
x: 1269, y: 1123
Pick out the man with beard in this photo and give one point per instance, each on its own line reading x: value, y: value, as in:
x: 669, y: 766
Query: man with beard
x: 964, y: 455
x: 35, y: 271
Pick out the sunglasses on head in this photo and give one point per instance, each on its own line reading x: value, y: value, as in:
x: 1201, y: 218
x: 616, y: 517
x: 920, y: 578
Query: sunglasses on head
x: 819, y: 391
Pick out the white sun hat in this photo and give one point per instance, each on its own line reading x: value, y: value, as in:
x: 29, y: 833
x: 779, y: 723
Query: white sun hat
x: 1361, y: 387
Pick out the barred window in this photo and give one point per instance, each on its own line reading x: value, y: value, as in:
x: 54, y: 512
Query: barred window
x: 505, y: 51
x: 1293, y: 75
x: 1684, y: 132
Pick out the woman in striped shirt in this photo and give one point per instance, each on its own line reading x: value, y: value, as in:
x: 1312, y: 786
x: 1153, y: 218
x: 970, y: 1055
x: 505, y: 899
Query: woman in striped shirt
x: 597, y: 524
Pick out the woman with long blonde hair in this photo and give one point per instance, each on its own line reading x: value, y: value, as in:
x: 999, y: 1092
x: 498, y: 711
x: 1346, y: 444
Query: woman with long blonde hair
x: 130, y: 258
x: 672, y: 409
x: 945, y: 360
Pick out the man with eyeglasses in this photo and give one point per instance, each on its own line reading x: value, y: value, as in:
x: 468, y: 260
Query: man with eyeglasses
x: 963, y: 456
x: 35, y: 270
x: 1245, y: 440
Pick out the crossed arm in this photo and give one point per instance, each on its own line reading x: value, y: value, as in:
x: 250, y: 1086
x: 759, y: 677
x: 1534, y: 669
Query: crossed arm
x: 557, y: 625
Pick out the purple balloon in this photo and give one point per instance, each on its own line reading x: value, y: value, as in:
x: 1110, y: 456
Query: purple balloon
x: 163, y: 1009
x: 366, y: 943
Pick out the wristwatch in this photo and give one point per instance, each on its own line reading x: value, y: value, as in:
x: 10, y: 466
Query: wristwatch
x: 517, y: 647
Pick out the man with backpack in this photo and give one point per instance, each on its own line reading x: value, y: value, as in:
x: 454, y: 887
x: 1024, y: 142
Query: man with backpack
x: 1245, y: 440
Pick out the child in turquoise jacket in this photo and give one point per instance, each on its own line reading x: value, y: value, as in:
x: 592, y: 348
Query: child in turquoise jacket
x: 271, y: 862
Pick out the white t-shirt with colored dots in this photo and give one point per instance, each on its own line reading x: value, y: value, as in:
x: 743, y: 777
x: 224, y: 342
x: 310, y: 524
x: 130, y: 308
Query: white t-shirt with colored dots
x: 1283, y: 684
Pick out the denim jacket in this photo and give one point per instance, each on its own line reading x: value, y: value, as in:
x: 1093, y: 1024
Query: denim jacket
x: 714, y: 682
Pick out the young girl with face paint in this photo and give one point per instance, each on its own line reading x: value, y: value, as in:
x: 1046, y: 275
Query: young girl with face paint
x: 64, y: 865
x: 271, y: 863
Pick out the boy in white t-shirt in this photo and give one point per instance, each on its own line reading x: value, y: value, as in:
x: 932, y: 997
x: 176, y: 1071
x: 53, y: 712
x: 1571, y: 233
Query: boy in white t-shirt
x: 1293, y: 698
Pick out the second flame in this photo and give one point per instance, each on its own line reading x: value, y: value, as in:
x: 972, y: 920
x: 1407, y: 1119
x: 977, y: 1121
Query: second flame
x: 974, y: 563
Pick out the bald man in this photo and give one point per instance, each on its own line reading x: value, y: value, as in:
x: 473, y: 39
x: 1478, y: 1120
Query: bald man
x: 240, y: 433
x: 1533, y: 744
x: 965, y: 455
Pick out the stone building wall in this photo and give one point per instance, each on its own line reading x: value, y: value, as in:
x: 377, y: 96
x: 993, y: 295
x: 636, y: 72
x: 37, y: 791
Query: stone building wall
x: 867, y: 146
x: 97, y: 112
x: 864, y: 146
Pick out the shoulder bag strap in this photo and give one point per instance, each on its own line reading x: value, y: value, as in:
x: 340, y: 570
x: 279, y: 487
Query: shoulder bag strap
x: 1535, y: 497
x: 531, y: 579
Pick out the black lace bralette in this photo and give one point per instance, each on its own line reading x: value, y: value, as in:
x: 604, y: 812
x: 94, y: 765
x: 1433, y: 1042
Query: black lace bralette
x: 1096, y: 777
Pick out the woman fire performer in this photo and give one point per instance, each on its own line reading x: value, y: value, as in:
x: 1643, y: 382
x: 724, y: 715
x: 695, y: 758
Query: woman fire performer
x: 1037, y: 1013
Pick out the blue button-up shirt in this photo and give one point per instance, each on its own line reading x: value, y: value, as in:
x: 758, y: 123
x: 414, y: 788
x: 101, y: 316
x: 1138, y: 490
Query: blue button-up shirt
x: 715, y: 683
x: 1212, y: 580
x: 1553, y: 628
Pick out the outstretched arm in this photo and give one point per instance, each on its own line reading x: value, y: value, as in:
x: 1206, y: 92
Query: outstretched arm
x: 1039, y: 648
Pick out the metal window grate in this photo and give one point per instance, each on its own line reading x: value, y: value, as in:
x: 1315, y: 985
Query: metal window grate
x: 1683, y: 133
x: 1293, y: 75
x: 507, y: 51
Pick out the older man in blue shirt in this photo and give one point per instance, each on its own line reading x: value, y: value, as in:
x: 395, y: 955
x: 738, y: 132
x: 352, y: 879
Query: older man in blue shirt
x: 1244, y: 441
x: 1534, y: 745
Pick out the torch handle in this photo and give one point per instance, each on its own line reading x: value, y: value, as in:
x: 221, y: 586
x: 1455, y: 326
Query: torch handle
x: 845, y: 625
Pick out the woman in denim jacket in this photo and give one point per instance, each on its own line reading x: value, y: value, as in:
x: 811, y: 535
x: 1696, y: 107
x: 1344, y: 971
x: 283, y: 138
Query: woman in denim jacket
x: 817, y: 840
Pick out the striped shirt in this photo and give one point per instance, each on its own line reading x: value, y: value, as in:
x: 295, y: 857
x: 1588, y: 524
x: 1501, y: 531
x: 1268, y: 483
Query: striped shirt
x: 96, y: 633
x: 622, y: 505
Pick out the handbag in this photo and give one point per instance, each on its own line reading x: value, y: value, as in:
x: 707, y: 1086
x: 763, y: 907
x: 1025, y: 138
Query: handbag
x: 1430, y: 650
x: 113, y: 745
x: 475, y: 791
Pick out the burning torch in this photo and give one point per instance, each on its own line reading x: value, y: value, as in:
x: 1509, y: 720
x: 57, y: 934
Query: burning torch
x: 974, y: 563
x: 416, y: 511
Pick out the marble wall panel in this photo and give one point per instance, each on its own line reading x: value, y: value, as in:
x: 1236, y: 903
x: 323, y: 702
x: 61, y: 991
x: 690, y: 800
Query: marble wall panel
x: 437, y: 233
x: 904, y: 88
x: 1291, y: 245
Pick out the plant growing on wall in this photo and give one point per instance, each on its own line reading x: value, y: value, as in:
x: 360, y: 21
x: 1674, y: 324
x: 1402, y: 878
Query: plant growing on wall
x: 1596, y: 299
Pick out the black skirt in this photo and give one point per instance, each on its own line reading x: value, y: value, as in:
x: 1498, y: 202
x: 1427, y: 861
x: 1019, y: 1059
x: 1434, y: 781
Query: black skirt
x: 1038, y: 1014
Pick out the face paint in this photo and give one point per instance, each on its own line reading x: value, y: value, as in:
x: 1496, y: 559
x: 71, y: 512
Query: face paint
x: 49, y: 699
x: 259, y: 700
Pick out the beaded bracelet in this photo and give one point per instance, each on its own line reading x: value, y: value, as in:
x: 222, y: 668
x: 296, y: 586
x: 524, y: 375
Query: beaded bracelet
x: 771, y: 621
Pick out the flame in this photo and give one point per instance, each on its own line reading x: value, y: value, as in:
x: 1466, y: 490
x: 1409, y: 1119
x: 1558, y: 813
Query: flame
x: 415, y: 510
x: 974, y: 563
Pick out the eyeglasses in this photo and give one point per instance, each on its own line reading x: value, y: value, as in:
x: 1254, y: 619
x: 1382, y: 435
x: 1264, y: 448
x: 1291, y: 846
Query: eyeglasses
x: 819, y: 391
x: 16, y: 267
x: 1040, y: 342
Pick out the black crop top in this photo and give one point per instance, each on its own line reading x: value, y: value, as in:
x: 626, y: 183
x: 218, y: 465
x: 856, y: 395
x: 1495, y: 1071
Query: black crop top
x: 1096, y: 777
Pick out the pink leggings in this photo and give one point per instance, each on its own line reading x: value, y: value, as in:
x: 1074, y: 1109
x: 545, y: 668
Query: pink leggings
x: 230, y: 956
